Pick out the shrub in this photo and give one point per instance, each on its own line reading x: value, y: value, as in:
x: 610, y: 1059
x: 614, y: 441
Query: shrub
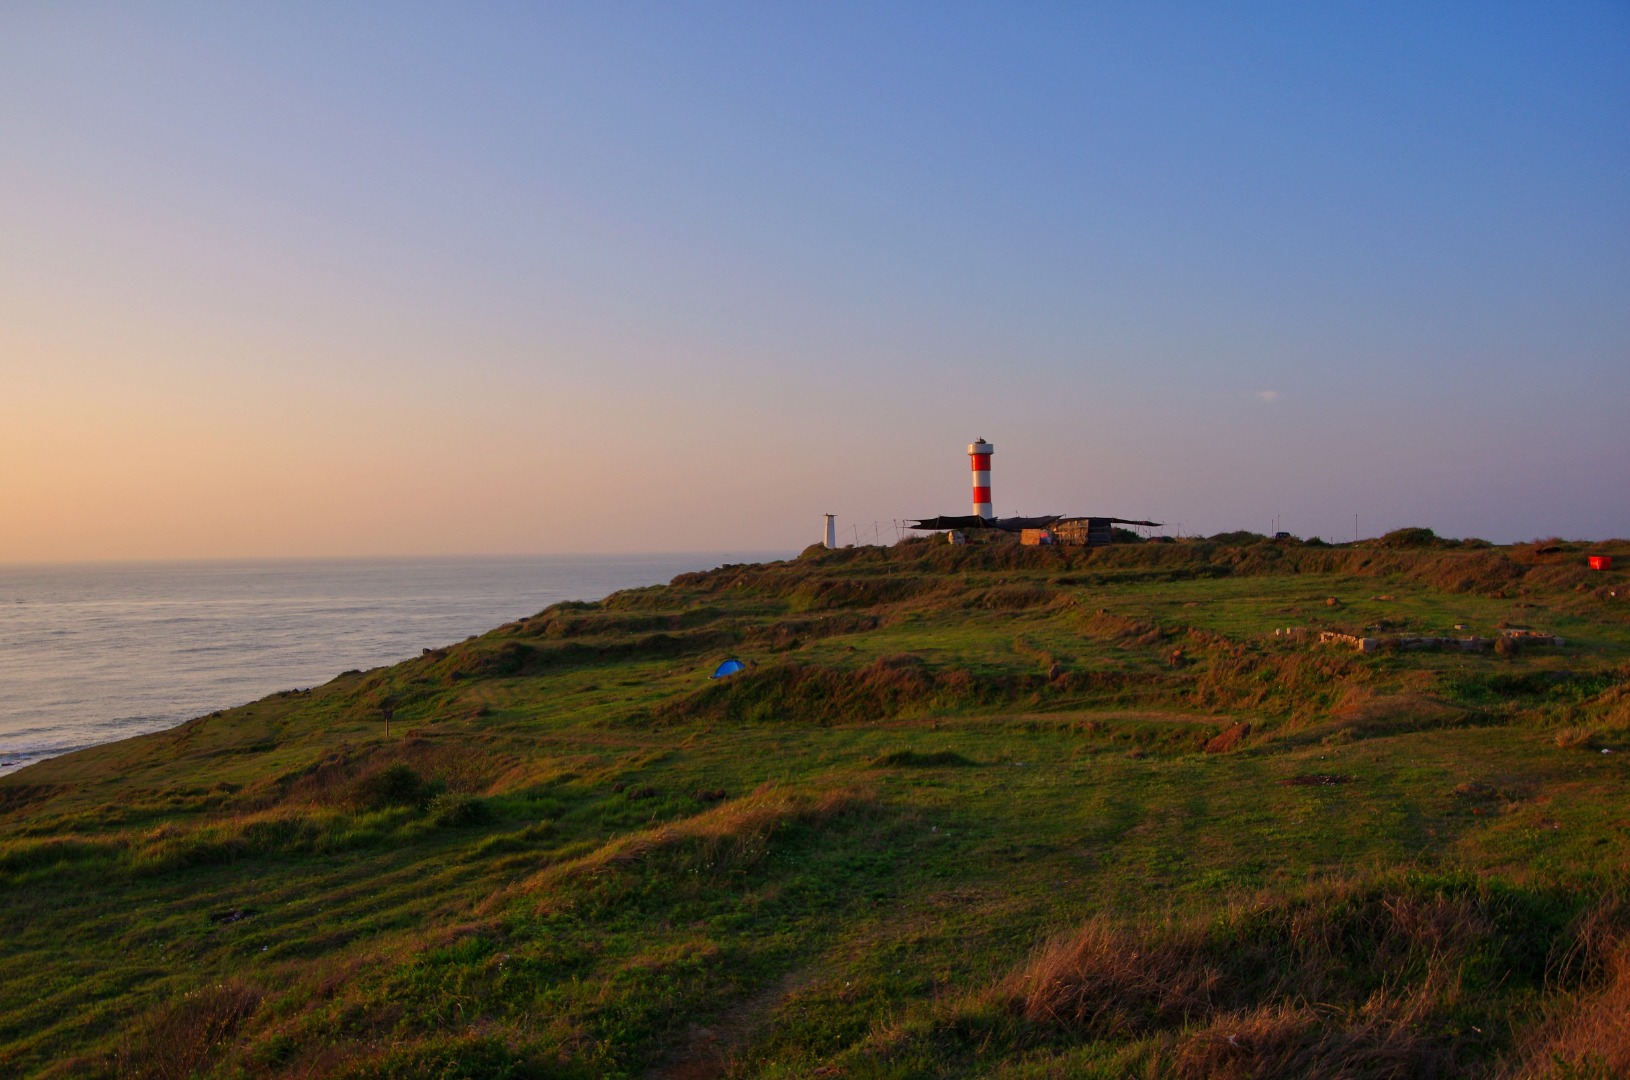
x: 1239, y: 538
x: 1575, y: 738
x: 394, y: 785
x: 1410, y: 538
x: 460, y: 811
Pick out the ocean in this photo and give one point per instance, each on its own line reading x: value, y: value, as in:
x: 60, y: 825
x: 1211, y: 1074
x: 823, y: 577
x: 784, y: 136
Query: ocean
x: 94, y: 653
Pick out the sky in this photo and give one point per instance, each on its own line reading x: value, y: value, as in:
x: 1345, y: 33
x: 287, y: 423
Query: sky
x: 307, y: 279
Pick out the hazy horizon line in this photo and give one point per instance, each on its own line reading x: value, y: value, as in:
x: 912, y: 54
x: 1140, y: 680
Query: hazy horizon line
x: 177, y: 560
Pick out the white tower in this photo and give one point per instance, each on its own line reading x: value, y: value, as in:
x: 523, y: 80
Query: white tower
x: 831, y: 531
x: 979, y: 457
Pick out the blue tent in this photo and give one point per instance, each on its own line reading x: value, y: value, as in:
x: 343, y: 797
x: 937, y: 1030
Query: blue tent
x: 729, y: 667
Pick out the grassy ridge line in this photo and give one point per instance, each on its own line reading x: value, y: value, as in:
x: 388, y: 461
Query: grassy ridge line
x: 564, y: 859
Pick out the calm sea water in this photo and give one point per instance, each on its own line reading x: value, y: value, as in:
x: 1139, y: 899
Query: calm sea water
x: 89, y: 654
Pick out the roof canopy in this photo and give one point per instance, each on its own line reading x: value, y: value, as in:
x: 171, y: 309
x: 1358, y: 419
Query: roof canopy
x: 1017, y: 524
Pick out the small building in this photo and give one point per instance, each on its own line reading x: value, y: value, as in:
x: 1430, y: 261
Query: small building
x: 1033, y: 531
x: 1085, y: 532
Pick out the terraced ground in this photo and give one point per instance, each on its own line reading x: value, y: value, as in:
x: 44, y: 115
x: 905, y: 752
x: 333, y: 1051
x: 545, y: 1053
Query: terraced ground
x: 980, y: 811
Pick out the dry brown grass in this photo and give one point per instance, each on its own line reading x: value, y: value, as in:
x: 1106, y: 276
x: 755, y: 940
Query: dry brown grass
x: 1612, y: 707
x: 1588, y: 1034
x: 1485, y: 573
x: 1110, y: 982
x: 1377, y: 1040
x: 1359, y: 979
x: 1107, y: 626
x: 1304, y: 683
x: 1353, y: 980
x: 1228, y: 738
x: 1575, y: 738
x: 177, y: 1040
x: 1365, y: 715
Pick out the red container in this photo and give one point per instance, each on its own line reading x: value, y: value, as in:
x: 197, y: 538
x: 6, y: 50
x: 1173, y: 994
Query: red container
x: 1601, y: 562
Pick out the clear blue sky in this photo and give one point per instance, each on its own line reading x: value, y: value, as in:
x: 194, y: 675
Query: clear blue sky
x: 291, y: 279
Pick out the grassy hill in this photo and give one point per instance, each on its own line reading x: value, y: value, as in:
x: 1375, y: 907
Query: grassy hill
x: 979, y: 811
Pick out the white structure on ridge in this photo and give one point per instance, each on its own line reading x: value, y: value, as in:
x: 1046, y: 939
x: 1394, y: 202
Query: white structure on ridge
x: 831, y: 531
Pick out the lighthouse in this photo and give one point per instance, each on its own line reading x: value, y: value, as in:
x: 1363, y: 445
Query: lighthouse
x: 979, y: 457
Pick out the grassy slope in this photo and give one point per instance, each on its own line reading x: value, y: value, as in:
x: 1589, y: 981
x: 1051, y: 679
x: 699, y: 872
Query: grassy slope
x: 942, y: 760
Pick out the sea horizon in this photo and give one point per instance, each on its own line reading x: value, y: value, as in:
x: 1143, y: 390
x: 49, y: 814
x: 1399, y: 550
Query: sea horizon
x: 187, y: 560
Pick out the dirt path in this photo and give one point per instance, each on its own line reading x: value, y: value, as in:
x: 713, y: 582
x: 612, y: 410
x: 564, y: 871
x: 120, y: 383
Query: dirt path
x: 709, y: 1051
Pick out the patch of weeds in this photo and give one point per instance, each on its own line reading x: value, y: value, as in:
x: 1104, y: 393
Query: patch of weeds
x: 471, y: 1057
x: 31, y: 856
x: 1483, y: 799
x: 178, y: 1039
x: 905, y: 759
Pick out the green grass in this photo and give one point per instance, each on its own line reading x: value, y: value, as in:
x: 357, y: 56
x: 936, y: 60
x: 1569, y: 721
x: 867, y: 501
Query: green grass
x: 576, y: 855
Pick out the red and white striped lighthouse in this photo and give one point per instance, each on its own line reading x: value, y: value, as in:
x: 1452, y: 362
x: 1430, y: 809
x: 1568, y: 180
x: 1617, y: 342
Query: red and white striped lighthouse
x: 979, y: 457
